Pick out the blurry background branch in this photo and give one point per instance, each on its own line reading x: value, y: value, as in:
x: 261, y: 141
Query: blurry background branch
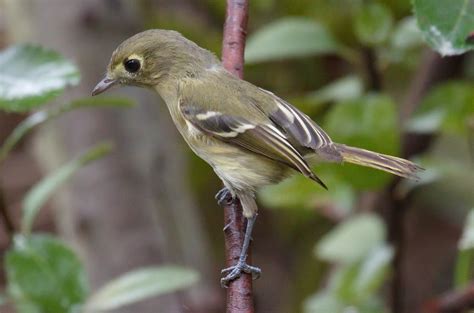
x: 458, y: 301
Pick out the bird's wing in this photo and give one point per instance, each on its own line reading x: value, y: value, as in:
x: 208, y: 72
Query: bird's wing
x: 298, y: 126
x: 259, y: 135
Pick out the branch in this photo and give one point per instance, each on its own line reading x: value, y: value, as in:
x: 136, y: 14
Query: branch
x: 5, y: 216
x: 432, y: 70
x: 239, y: 292
x: 454, y: 302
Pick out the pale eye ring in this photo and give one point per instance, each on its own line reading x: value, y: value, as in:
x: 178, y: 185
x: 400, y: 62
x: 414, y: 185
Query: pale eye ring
x: 132, y: 65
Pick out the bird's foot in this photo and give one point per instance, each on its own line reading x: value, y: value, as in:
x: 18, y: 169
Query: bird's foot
x: 236, y: 271
x: 224, y: 197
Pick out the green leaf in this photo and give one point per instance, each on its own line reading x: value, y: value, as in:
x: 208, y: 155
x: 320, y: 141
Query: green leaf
x: 464, y: 265
x: 45, y: 276
x: 373, y: 272
x: 31, y: 76
x: 464, y: 269
x: 467, y: 238
x: 43, y: 116
x: 290, y: 37
x: 346, y: 88
x: 446, y: 26
x: 141, y: 284
x: 446, y: 108
x: 42, y: 191
x: 369, y: 122
x: 299, y: 192
x: 373, y: 23
x: 406, y: 34
x: 351, y: 240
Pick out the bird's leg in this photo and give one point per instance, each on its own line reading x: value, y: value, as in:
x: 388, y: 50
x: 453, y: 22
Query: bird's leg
x: 224, y: 197
x: 235, y: 271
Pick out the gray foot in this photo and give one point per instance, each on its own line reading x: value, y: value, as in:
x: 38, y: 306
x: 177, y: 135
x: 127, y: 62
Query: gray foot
x: 236, y: 271
x: 224, y: 197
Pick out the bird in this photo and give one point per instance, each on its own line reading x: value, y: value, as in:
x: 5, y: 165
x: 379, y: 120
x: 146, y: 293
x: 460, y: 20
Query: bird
x: 248, y: 135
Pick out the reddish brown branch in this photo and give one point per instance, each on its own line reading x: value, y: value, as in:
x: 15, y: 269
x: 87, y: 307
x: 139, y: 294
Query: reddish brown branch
x: 239, y: 292
x: 454, y: 302
x: 235, y: 31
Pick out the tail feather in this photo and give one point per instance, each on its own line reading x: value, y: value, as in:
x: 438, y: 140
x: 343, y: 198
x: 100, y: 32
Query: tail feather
x: 387, y: 163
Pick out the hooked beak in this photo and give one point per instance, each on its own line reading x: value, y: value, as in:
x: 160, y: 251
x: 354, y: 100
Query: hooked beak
x: 103, y: 85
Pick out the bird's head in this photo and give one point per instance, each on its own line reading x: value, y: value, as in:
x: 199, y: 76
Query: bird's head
x: 152, y: 57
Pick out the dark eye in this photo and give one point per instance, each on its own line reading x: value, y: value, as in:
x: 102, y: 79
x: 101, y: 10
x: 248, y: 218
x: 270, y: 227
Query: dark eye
x: 132, y: 65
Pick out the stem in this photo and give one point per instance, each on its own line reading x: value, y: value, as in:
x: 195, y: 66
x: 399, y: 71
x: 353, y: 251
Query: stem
x: 239, y: 292
x: 9, y: 227
x: 373, y: 74
x: 432, y: 70
x: 454, y: 302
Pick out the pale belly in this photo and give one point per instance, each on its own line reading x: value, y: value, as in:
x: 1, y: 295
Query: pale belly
x: 239, y: 169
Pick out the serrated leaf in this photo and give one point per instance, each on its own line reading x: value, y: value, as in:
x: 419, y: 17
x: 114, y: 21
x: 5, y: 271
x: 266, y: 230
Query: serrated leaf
x: 369, y: 122
x: 42, y: 191
x: 351, y: 240
x: 290, y: 37
x: 446, y: 108
x: 31, y: 76
x: 446, y: 26
x: 43, y: 116
x: 141, y: 284
x: 45, y: 276
x: 373, y: 23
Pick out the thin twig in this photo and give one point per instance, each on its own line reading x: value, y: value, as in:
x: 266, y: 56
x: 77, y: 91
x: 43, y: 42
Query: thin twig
x: 432, y: 70
x: 239, y: 292
x: 5, y: 216
x: 374, y: 76
x: 454, y: 302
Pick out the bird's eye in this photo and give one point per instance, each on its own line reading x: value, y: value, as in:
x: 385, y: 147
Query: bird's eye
x: 132, y: 65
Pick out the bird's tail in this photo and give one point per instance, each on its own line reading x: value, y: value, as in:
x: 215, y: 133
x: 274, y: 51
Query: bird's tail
x: 387, y: 163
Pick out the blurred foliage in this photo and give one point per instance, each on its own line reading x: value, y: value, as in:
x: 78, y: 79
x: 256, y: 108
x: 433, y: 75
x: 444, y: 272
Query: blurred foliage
x: 42, y: 116
x: 358, y: 248
x: 464, y: 270
x: 447, y: 108
x: 31, y: 76
x: 42, y: 191
x: 311, y: 51
x: 289, y: 38
x: 139, y: 285
x: 373, y: 23
x: 355, y: 115
x: 446, y: 28
x: 43, y: 274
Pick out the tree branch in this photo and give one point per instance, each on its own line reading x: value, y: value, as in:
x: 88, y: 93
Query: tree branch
x: 239, y: 292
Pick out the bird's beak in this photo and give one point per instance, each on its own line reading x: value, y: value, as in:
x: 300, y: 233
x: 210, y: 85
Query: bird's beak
x: 103, y: 85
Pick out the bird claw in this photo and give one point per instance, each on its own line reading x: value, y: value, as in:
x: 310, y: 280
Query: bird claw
x: 224, y: 197
x: 236, y: 271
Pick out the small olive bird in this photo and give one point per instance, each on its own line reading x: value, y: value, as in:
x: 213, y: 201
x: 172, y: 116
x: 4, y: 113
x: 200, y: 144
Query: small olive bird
x: 250, y: 137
